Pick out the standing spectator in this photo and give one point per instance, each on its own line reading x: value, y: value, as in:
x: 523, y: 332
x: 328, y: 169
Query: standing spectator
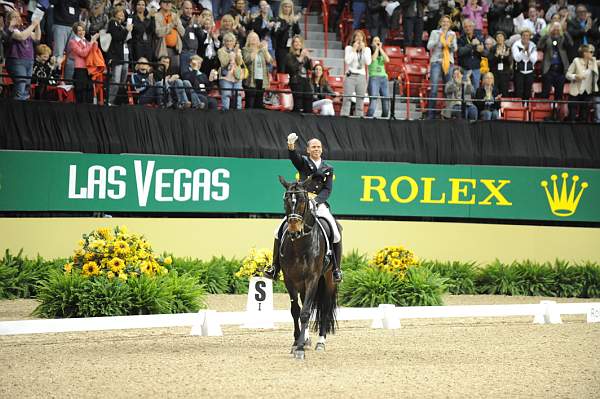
x: 459, y: 93
x: 230, y: 25
x: 501, y: 63
x: 583, y: 74
x: 241, y: 20
x: 488, y: 96
x: 169, y: 30
x: 201, y: 83
x: 230, y: 76
x: 78, y: 50
x: 441, y: 45
x: 298, y: 65
x: 220, y: 7
x: 263, y: 23
x: 19, y: 52
x: 558, y: 4
x: 118, y: 30
x: 209, y: 43
x: 435, y: 10
x: 501, y: 14
x: 532, y: 23
x: 191, y: 36
x: 356, y: 57
x: 359, y: 8
x: 580, y: 27
x: 489, y: 44
x: 378, y: 79
x: 98, y: 17
x: 455, y: 14
x: 413, y: 12
x: 286, y: 27
x: 321, y: 90
x: 257, y: 58
x: 65, y: 14
x: 377, y: 19
x: 524, y: 53
x: 476, y: 13
x: 555, y: 62
x: 142, y: 34
x: 470, y: 51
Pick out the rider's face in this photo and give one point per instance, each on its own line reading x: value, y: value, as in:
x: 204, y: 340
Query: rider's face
x: 314, y: 149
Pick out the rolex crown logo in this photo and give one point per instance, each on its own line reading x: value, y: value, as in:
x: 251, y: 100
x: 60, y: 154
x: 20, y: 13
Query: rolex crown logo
x: 563, y: 202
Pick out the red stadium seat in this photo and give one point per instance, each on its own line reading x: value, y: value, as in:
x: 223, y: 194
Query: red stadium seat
x: 417, y: 55
x: 513, y: 110
x: 394, y: 52
x: 394, y: 68
x: 415, y: 79
x: 539, y: 111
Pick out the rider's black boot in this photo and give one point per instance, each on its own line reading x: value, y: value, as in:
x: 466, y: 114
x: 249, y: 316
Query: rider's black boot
x: 337, y: 259
x: 272, y: 271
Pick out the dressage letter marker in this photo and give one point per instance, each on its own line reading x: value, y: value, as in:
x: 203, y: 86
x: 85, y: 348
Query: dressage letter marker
x: 593, y: 315
x: 259, y: 308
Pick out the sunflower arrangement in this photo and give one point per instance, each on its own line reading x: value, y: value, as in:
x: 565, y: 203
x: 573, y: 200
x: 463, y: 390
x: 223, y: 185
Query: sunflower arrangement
x: 116, y: 253
x: 255, y: 263
x: 394, y: 259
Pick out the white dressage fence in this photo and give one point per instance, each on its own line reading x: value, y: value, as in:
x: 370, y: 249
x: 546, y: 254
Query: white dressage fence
x: 209, y: 322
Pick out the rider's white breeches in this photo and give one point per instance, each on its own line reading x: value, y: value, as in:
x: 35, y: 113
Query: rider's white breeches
x: 323, y: 212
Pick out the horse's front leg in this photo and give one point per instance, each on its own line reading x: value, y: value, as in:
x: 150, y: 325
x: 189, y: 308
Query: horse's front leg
x: 311, y: 290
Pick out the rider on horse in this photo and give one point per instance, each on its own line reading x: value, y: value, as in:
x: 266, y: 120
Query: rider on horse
x: 319, y: 189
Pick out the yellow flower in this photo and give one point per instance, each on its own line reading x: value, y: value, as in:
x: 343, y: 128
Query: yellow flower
x: 81, y: 243
x: 110, y: 275
x: 168, y: 260
x: 146, y: 268
x: 90, y: 269
x: 116, y: 265
x: 104, y: 232
x: 122, y: 229
x: 123, y: 276
x: 89, y: 256
x: 121, y: 247
x: 68, y: 267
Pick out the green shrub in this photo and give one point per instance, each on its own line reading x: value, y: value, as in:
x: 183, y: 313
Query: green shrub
x: 535, y: 279
x: 214, y: 274
x: 591, y: 280
x: 354, y: 261
x: 460, y: 276
x: 568, y: 280
x: 20, y: 276
x: 422, y: 287
x: 74, y: 295
x: 499, y: 279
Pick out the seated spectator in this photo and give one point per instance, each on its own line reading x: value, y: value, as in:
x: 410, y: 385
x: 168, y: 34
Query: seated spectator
x: 555, y: 62
x: 169, y: 30
x: 489, y: 99
x: 78, y: 50
x: 476, y: 13
x: 558, y: 4
x: 501, y: 14
x: 19, y: 53
x: 230, y: 75
x: 45, y: 72
x: 532, y: 23
x: 173, y: 85
x: 501, y: 63
x: 201, y: 83
x: 470, y: 51
x: 524, y: 53
x: 209, y: 43
x: 190, y: 40
x: 459, y: 93
x: 286, y: 27
x: 413, y: 12
x: 116, y: 56
x: 257, y: 58
x: 321, y: 90
x: 298, y: 65
x: 357, y: 55
x: 583, y: 74
x: 442, y: 44
x: 377, y: 19
x: 378, y: 79
x: 142, y: 34
x: 144, y: 84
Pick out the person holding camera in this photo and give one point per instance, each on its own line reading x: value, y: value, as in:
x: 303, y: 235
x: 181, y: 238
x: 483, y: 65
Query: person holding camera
x: 378, y: 79
x: 555, y: 62
x: 470, y: 51
x: 356, y: 56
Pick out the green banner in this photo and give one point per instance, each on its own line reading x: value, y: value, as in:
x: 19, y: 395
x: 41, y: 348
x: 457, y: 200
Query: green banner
x: 60, y: 181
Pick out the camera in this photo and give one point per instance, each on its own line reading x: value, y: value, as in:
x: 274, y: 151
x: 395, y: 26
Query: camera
x: 554, y: 43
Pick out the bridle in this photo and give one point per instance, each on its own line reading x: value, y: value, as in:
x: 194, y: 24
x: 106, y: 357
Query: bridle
x: 294, y: 215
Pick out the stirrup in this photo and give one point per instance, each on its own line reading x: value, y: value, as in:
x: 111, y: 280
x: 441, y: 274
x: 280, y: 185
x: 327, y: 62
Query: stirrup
x: 270, y: 273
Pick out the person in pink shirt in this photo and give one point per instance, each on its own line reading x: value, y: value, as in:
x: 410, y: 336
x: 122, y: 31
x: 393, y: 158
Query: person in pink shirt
x: 78, y: 50
x: 475, y: 12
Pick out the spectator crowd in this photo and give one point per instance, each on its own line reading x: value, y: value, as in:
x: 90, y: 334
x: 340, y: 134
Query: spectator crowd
x: 179, y: 53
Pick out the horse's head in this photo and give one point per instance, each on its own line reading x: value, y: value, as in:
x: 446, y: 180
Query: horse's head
x: 296, y: 203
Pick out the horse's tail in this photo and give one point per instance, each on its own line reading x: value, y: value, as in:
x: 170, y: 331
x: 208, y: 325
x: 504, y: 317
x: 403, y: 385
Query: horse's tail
x: 325, y: 305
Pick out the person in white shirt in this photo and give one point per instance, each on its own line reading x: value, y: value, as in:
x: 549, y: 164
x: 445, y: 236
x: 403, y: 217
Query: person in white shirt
x: 532, y: 23
x: 524, y: 54
x: 356, y: 57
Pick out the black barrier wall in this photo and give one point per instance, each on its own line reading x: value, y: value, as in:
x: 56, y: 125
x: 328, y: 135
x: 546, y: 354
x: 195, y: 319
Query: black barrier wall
x: 262, y: 134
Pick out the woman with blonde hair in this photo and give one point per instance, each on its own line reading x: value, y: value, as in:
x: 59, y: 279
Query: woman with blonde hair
x: 257, y: 58
x: 285, y: 28
x: 488, y: 98
x: 230, y: 75
x: 298, y: 65
x: 583, y: 74
x: 357, y: 55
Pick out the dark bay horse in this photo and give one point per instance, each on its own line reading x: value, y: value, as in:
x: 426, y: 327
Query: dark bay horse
x: 307, y: 267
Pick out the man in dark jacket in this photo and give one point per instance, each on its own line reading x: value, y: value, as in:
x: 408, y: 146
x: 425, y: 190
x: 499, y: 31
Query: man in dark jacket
x: 501, y: 14
x: 201, y: 83
x: 470, y: 51
x: 555, y: 62
x: 580, y: 29
x: 320, y: 189
x: 377, y: 19
x: 413, y: 12
x: 66, y: 13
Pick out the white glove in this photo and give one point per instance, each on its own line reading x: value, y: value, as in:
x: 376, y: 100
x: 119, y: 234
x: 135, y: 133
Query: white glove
x: 291, y: 138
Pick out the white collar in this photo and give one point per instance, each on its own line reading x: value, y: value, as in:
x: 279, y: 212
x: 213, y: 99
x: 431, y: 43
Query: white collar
x: 317, y: 162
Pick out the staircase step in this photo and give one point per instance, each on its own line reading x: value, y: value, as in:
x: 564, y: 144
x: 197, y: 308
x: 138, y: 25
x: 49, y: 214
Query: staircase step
x: 312, y: 35
x: 315, y: 19
x: 331, y: 52
x: 312, y: 27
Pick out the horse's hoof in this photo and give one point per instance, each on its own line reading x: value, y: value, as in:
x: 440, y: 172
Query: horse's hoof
x: 308, y: 343
x: 320, y: 347
x: 299, y: 354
